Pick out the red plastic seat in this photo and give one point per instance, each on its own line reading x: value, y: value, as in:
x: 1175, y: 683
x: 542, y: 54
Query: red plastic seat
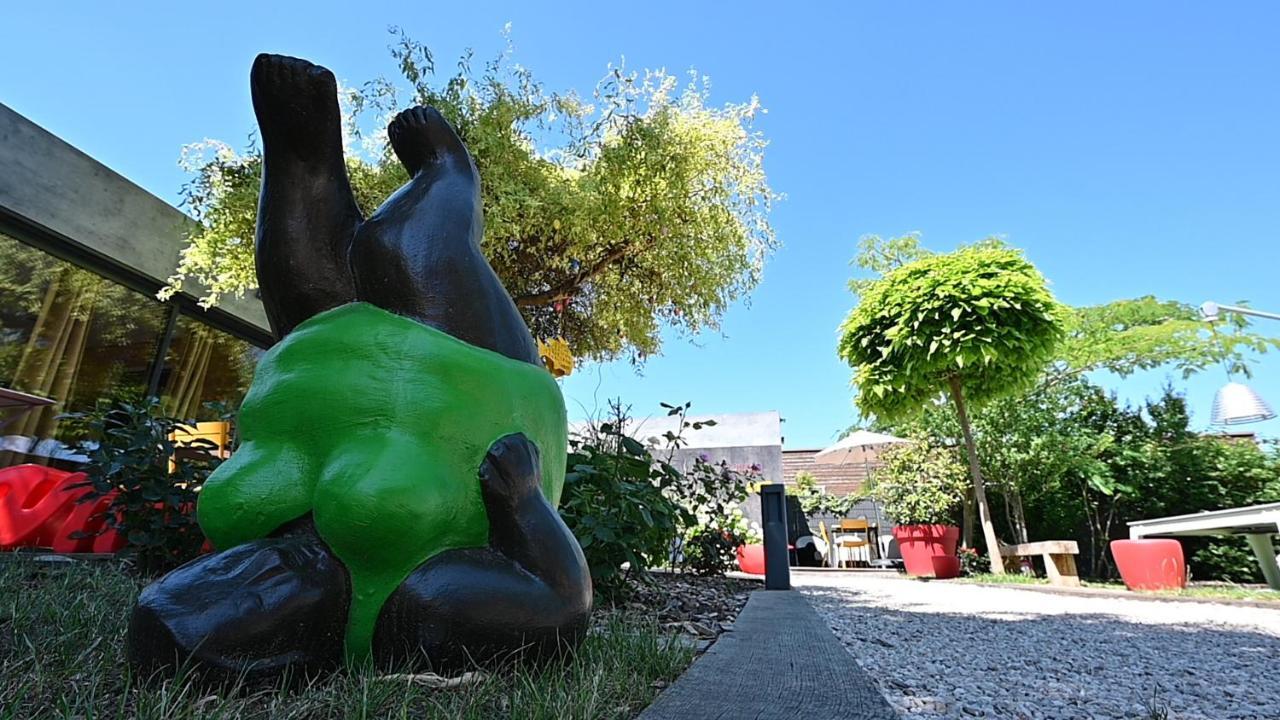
x: 1150, y: 564
x: 89, y: 518
x: 34, y: 504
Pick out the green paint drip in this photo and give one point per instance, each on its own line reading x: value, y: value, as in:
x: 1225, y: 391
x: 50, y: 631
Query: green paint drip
x: 377, y: 425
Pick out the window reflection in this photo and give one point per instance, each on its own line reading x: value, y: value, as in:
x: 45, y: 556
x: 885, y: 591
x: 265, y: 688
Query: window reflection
x: 205, y: 365
x: 79, y: 339
x: 69, y: 335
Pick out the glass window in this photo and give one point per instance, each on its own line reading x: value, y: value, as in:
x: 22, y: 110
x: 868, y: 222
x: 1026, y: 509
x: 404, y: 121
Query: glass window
x: 69, y: 335
x: 205, y: 365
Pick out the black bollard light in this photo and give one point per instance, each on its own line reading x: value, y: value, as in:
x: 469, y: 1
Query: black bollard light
x: 773, y: 513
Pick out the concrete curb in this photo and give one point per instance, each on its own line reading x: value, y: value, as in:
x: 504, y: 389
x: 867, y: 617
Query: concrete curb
x: 780, y: 661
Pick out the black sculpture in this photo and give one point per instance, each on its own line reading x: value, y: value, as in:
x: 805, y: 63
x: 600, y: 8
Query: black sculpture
x: 402, y: 447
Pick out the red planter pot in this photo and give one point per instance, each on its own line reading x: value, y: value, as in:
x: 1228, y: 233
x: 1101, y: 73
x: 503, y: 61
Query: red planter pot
x: 1155, y: 564
x: 929, y: 550
x: 751, y: 559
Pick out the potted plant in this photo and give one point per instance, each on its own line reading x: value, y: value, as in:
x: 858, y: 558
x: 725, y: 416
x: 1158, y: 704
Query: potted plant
x: 921, y: 486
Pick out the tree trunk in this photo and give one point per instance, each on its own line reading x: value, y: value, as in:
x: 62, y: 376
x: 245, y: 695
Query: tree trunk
x: 966, y: 521
x: 979, y: 490
x: 1019, y: 521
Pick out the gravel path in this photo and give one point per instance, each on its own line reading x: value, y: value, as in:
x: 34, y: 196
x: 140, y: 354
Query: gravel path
x: 961, y: 651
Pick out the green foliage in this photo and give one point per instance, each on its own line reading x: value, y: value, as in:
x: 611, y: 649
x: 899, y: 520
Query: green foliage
x: 130, y: 447
x: 919, y: 483
x: 1080, y: 465
x: 1229, y: 559
x: 618, y: 501
x: 971, y: 562
x: 606, y: 218
x: 982, y: 314
x: 711, y: 550
x: 815, y: 500
x: 1126, y: 336
x: 627, y: 505
x: 714, y: 492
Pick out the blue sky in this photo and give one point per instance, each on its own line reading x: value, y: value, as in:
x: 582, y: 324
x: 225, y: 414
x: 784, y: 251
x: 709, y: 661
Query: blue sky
x: 1129, y: 148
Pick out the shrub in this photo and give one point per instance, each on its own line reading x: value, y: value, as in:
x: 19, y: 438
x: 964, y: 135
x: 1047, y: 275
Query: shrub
x: 710, y: 550
x: 616, y: 502
x: 919, y: 483
x: 971, y: 562
x: 713, y: 492
x: 815, y: 500
x: 134, y: 456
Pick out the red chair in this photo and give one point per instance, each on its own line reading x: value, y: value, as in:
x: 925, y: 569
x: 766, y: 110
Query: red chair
x: 89, y: 519
x: 1150, y: 564
x: 34, y: 504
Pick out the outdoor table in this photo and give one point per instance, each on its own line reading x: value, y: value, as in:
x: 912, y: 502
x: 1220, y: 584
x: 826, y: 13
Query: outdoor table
x: 24, y: 402
x: 1257, y: 523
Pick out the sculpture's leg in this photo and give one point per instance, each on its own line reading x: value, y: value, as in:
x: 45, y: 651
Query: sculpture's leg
x: 307, y: 214
x: 419, y: 254
x: 253, y: 609
x: 528, y: 592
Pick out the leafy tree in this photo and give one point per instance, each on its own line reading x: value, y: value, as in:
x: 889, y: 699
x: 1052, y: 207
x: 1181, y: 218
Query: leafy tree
x: 607, y: 217
x: 979, y: 322
x: 1144, y: 333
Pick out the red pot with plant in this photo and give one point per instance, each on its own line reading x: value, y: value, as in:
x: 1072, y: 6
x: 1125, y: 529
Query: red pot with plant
x: 921, y: 544
x: 921, y: 486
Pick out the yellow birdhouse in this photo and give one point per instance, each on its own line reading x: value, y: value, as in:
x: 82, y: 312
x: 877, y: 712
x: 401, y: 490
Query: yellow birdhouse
x: 556, y: 356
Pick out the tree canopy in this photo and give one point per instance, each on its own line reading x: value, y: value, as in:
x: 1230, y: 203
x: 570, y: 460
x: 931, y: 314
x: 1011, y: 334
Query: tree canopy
x: 607, y: 217
x: 1126, y: 336
x: 982, y: 314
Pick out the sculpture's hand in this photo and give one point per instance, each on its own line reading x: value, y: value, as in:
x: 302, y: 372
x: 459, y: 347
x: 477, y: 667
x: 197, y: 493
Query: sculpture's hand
x: 511, y: 473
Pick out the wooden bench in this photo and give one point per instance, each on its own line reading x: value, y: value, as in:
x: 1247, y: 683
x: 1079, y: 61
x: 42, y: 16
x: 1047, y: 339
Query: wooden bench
x: 1059, y: 559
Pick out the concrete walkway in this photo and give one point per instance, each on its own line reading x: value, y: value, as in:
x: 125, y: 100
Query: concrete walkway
x: 779, y: 661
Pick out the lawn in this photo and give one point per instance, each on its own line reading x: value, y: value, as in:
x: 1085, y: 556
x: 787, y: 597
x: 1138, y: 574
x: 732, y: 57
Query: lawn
x: 61, y: 656
x: 1216, y: 591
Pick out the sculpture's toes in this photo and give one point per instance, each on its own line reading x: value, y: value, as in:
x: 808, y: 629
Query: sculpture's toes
x: 421, y: 135
x: 253, y: 609
x: 296, y: 102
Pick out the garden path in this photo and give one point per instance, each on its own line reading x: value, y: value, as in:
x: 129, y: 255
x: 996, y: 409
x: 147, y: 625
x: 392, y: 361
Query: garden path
x: 950, y: 650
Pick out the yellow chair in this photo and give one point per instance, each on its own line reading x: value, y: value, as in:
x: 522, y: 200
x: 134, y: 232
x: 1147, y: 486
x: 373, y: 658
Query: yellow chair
x: 858, y: 546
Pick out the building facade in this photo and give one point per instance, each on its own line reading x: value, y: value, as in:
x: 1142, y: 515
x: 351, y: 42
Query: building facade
x: 83, y: 254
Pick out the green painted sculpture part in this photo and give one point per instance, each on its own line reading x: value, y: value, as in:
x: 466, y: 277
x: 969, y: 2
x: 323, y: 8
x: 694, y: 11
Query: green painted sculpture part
x: 377, y: 425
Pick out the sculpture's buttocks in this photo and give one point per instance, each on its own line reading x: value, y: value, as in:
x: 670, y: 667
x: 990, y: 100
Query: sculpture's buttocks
x: 378, y: 425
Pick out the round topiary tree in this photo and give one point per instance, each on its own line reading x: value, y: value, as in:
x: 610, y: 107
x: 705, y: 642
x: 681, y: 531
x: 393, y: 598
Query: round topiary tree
x: 978, y: 323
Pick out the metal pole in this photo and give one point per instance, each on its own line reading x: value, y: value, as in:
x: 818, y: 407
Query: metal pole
x: 1210, y: 311
x: 773, y: 514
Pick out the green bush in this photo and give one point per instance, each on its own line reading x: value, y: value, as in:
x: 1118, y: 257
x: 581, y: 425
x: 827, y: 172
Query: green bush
x: 713, y: 492
x: 1228, y: 558
x: 618, y: 501
x: 815, y: 500
x: 710, y: 550
x: 629, y: 507
x: 131, y: 449
x: 919, y: 484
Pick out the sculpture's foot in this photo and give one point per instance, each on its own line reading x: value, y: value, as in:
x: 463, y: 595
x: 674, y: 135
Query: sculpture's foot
x: 528, y: 594
x: 475, y: 607
x: 297, y: 107
x: 251, y: 611
x: 420, y: 136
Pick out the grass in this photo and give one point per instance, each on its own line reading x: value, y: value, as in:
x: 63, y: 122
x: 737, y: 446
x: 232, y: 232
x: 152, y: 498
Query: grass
x: 61, y: 656
x: 1224, y: 591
